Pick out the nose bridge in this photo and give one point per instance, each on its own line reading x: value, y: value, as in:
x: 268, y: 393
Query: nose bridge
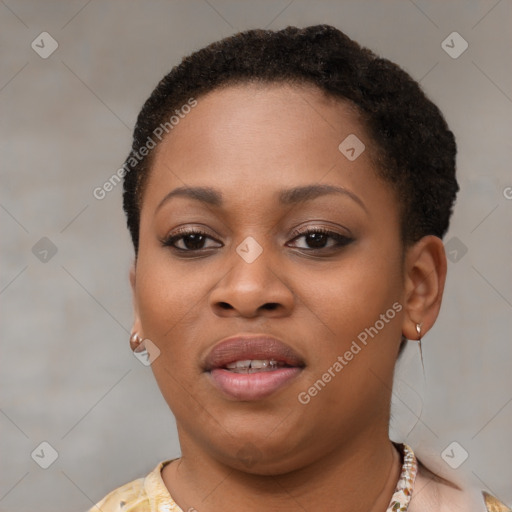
x: 252, y: 281
x: 252, y: 262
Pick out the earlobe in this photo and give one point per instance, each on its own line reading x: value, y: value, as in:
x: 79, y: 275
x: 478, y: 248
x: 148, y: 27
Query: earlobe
x: 425, y: 276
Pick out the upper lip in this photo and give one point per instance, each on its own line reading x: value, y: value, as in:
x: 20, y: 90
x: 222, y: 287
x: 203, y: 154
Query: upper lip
x: 251, y: 346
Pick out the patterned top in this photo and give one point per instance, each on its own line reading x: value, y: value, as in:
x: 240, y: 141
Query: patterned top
x: 150, y: 494
x: 403, y: 491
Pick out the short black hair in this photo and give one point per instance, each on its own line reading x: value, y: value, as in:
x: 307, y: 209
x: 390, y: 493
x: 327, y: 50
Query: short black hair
x: 414, y: 147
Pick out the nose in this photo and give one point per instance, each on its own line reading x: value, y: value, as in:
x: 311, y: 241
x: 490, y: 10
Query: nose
x: 252, y: 288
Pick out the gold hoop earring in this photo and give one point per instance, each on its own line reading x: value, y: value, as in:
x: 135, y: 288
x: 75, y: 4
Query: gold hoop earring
x: 135, y: 341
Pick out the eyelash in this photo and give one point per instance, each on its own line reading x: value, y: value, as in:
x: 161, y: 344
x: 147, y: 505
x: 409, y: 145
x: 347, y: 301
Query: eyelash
x: 341, y: 240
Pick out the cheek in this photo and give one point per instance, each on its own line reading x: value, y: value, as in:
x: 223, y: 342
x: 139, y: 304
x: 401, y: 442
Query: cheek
x: 170, y: 303
x: 168, y: 295
x: 357, y: 316
x: 349, y: 296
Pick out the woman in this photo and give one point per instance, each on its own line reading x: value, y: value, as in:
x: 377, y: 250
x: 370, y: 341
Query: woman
x: 287, y: 194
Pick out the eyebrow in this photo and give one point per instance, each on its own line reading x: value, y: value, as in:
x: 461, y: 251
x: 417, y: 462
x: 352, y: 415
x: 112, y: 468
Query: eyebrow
x: 213, y: 197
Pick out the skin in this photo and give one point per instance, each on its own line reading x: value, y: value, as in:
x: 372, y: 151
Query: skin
x: 248, y: 142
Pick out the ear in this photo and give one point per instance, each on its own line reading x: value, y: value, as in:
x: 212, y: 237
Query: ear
x: 425, y: 275
x: 137, y: 327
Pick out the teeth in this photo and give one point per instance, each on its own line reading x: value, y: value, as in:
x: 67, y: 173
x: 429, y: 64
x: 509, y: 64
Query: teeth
x: 260, y: 363
x: 257, y: 364
x: 239, y: 364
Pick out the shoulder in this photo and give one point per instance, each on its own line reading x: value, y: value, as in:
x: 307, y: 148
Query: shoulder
x: 147, y: 494
x: 128, y: 497
x: 434, y: 493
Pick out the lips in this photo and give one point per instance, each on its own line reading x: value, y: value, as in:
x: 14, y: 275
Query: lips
x: 251, y: 348
x: 251, y: 367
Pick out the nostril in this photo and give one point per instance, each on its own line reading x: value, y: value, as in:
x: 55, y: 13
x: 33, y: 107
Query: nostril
x: 270, y: 306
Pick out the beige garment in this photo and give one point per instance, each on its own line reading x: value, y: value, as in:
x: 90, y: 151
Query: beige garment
x: 430, y: 494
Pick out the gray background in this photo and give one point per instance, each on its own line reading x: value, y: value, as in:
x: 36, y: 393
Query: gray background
x: 67, y: 374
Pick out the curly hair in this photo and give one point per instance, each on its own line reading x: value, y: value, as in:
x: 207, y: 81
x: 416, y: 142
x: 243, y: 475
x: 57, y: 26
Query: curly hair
x: 414, y: 147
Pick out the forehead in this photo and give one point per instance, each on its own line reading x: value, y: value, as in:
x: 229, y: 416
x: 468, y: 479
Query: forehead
x: 276, y: 113
x: 257, y: 138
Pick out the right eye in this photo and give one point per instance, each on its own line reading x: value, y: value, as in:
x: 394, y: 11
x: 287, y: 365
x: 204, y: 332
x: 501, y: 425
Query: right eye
x: 192, y: 240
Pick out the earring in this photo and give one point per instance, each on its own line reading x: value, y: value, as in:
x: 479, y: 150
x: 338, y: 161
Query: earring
x: 418, y: 330
x: 135, y: 341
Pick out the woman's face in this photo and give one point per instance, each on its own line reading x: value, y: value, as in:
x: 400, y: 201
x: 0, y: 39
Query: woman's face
x: 334, y: 300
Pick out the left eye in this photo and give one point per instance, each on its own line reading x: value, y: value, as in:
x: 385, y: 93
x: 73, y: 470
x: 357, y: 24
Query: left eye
x: 317, y: 239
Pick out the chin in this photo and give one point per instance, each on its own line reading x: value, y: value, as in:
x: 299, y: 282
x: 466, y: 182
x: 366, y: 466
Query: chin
x: 260, y: 456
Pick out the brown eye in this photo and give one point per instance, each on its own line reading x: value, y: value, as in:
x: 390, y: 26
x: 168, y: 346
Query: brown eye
x: 191, y: 240
x: 317, y: 239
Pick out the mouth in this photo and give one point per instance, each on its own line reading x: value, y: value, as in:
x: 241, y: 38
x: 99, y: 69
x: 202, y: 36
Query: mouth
x: 255, y: 366
x: 252, y: 367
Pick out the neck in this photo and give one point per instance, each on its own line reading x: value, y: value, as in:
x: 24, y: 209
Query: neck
x: 360, y: 477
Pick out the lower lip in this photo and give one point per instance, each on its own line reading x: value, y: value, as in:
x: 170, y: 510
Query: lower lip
x: 252, y: 386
